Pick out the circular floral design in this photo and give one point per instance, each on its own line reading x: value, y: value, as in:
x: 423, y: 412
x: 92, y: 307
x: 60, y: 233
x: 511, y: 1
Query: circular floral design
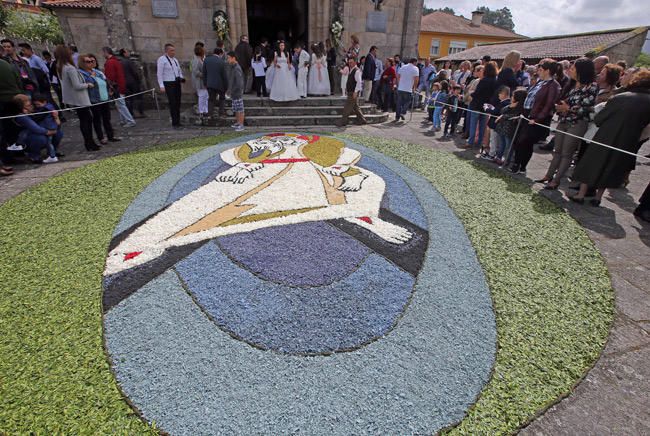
x: 304, y: 266
x: 551, y: 293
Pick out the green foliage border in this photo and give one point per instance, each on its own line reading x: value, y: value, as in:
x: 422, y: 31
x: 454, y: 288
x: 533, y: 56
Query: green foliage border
x: 552, y: 294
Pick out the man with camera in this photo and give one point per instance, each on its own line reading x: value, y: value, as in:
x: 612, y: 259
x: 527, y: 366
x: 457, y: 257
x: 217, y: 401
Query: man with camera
x: 170, y: 77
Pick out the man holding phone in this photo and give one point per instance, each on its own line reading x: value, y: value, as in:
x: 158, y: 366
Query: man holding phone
x: 170, y: 78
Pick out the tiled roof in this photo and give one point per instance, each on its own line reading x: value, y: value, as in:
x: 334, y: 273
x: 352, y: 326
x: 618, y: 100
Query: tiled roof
x: 557, y: 47
x: 442, y: 22
x: 77, y: 4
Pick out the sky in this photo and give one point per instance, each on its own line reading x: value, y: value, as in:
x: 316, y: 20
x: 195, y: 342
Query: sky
x: 557, y: 17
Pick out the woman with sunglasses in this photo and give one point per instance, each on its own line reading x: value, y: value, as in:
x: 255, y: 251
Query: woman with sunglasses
x: 75, y: 94
x: 99, y: 96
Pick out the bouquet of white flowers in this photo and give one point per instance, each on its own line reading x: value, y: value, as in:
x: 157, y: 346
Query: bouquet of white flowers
x: 336, y: 30
x: 220, y: 25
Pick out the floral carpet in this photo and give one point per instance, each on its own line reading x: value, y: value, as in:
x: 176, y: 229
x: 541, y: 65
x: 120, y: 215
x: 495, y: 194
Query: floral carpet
x: 292, y: 282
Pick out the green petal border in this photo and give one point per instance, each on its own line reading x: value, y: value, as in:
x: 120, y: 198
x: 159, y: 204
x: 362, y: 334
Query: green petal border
x: 552, y: 293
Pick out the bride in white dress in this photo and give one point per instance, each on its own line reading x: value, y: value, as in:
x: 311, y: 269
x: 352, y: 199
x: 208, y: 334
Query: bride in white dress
x: 319, y: 79
x: 283, y: 87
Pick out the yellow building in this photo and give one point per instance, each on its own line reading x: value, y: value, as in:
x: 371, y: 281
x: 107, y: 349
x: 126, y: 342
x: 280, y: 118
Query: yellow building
x: 443, y: 34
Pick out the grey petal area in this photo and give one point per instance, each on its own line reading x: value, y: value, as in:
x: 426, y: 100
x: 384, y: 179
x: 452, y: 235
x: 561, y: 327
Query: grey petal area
x: 181, y: 371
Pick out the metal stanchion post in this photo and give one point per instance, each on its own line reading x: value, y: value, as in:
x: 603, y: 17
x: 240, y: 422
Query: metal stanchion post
x: 514, y: 138
x: 415, y: 94
x: 155, y: 99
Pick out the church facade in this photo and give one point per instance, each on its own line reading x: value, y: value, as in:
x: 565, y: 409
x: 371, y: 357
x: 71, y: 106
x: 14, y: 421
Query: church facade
x: 144, y: 26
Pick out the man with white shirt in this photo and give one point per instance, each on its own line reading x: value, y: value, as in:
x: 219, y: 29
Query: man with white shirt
x: 407, y: 82
x: 354, y: 86
x: 170, y: 77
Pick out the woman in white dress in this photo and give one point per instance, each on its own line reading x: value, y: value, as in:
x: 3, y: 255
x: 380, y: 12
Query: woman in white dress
x: 283, y: 87
x: 319, y: 79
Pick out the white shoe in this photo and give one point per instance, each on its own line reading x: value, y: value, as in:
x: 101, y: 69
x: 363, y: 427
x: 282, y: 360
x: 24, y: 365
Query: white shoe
x: 239, y: 128
x: 129, y: 125
x: 51, y: 160
x: 234, y: 126
x: 15, y: 147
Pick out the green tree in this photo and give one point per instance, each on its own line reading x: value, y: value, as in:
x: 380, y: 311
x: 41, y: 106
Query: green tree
x: 5, y: 15
x: 42, y: 28
x: 499, y: 17
x: 446, y: 9
x: 643, y: 61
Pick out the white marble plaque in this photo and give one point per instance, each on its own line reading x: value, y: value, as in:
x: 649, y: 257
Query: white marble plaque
x: 164, y: 8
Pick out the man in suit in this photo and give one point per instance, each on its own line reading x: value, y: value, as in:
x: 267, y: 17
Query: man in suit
x: 216, y: 80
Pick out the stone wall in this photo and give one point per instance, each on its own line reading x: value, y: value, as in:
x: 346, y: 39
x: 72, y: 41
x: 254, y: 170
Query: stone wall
x: 130, y: 24
x: 629, y: 50
x: 84, y: 28
x: 402, y: 15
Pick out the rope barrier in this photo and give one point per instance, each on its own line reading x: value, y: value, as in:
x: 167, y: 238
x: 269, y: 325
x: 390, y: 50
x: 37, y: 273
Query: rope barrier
x: 552, y: 129
x: 152, y: 90
x: 591, y: 141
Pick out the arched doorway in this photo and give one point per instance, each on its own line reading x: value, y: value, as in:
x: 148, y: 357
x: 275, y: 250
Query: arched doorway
x: 278, y: 19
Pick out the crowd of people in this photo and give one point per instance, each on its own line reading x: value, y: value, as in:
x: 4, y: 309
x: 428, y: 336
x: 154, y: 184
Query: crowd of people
x: 277, y: 71
x: 507, y: 109
x: 502, y: 111
x: 28, y: 84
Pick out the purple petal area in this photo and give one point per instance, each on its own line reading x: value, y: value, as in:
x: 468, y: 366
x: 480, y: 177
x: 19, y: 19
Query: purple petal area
x: 341, y: 316
x: 307, y: 254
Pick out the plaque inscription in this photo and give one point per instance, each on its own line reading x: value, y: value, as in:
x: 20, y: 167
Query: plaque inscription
x: 377, y: 21
x: 164, y: 8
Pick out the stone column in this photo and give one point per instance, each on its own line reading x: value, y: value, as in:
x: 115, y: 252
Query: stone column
x: 243, y: 17
x: 117, y: 25
x: 411, y: 27
x: 233, y: 18
x: 327, y: 19
x: 319, y: 20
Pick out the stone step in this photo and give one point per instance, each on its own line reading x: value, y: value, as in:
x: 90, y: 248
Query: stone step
x: 336, y: 101
x: 287, y: 120
x: 252, y: 111
x: 253, y: 100
x: 321, y: 120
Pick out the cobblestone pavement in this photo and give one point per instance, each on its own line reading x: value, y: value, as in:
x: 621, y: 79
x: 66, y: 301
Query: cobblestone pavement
x: 613, y: 398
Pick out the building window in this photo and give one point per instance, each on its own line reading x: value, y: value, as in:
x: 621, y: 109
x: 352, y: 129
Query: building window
x: 457, y: 46
x: 435, y: 47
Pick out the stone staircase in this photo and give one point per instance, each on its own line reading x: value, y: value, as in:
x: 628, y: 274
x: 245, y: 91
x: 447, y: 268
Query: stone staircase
x: 311, y: 111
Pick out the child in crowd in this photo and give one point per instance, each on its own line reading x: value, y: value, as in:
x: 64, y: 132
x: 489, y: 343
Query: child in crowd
x: 47, y: 116
x: 506, y: 126
x: 439, y: 105
x: 345, y: 72
x: 431, y: 102
x: 259, y: 69
x: 503, y: 94
x: 453, y: 113
x: 34, y: 136
x: 236, y: 84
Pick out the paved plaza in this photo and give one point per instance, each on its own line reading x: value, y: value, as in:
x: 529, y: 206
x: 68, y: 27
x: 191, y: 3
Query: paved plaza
x: 612, y: 398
